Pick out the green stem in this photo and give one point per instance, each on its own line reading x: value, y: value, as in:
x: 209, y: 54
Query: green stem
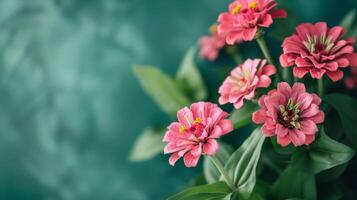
x: 223, y: 172
x: 320, y: 86
x: 263, y: 46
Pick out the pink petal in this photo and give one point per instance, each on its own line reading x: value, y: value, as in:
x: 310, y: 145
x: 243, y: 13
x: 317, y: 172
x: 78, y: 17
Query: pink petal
x: 281, y: 131
x: 297, y: 137
x: 300, y: 72
x: 268, y: 131
x: 335, y: 76
x: 210, y: 147
x: 259, y: 117
x: 336, y: 32
x: 309, y: 139
x: 267, y: 21
x: 197, y: 150
x: 249, y: 34
x: 264, y: 81
x: 190, y: 160
x: 268, y: 70
x: 283, y: 141
x: 352, y: 59
x: 278, y: 13
x: 185, y: 116
x: 173, y: 158
x: 226, y: 126
x: 308, y: 127
x: 318, y: 118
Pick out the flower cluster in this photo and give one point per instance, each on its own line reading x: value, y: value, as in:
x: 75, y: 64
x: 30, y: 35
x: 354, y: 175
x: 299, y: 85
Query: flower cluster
x: 289, y: 113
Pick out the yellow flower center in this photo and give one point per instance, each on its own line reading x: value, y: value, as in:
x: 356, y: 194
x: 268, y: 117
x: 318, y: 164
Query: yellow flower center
x: 253, y: 5
x: 236, y: 9
x: 198, y: 120
x: 182, y: 129
x: 213, y: 29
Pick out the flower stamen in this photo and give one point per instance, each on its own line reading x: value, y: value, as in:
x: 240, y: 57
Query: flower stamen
x: 236, y: 9
x: 253, y: 5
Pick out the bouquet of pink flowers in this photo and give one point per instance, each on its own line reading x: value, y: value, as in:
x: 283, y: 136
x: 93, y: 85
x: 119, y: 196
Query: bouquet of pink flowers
x: 301, y: 110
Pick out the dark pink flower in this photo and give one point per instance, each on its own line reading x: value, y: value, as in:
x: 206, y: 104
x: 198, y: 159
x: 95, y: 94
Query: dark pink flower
x: 245, y: 17
x: 289, y: 113
x: 317, y: 49
x: 351, y: 82
x: 196, y: 132
x: 244, y: 80
x: 211, y: 45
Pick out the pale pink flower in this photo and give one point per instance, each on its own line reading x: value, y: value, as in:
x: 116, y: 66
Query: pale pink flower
x: 351, y: 82
x: 290, y: 113
x: 318, y: 49
x: 245, y: 17
x: 211, y: 45
x: 196, y: 132
x: 244, y: 80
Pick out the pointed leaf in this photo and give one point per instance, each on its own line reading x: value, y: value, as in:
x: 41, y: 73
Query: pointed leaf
x: 243, y: 162
x: 216, y: 190
x: 162, y: 88
x: 346, y: 108
x: 189, y: 74
x: 347, y: 21
x: 148, y: 145
x: 297, y: 181
x: 326, y: 153
x: 210, y: 171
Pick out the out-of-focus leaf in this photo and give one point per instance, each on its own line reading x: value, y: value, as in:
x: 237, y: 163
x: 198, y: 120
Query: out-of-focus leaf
x: 210, y: 171
x: 243, y: 116
x: 236, y: 196
x: 326, y: 153
x: 297, y: 181
x: 346, y: 107
x: 241, y: 166
x: 148, y: 144
x: 348, y: 19
x: 217, y: 190
x: 162, y: 88
x: 198, y: 180
x: 189, y: 74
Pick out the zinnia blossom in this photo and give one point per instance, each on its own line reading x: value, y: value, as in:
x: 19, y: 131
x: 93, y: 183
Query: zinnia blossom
x: 245, y: 17
x: 317, y: 49
x: 289, y: 113
x: 244, y: 80
x: 211, y: 45
x: 351, y: 82
x: 196, y: 132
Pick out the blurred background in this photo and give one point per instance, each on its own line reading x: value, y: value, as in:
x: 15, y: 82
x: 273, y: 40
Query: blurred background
x: 70, y: 107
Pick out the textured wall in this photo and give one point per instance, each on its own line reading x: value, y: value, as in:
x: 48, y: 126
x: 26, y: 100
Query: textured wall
x: 70, y: 107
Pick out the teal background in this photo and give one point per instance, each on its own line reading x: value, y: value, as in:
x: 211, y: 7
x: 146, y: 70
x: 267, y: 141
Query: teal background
x: 70, y: 108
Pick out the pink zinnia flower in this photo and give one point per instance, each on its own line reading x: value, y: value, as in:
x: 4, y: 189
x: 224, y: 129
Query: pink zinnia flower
x: 289, y: 113
x: 351, y: 82
x: 196, y: 132
x: 245, y: 17
x: 318, y: 49
x: 244, y: 80
x: 211, y: 45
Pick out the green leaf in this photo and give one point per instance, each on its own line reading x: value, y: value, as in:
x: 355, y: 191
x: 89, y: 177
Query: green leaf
x: 346, y: 108
x: 282, y: 150
x: 148, y: 145
x: 210, y: 171
x: 162, y: 88
x: 327, y: 153
x: 243, y: 162
x: 203, y: 192
x: 296, y: 181
x: 236, y: 196
x: 189, y: 74
x: 243, y: 116
x: 347, y: 21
